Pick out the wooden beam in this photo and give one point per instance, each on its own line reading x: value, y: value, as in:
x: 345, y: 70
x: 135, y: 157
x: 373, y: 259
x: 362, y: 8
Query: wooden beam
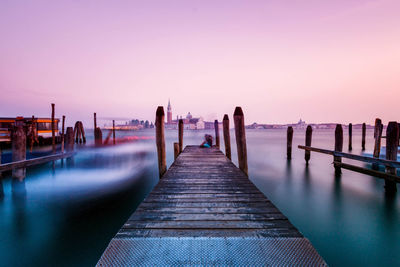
x: 378, y: 174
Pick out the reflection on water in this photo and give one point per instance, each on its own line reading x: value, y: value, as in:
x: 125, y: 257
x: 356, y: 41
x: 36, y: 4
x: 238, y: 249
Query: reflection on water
x: 67, y: 216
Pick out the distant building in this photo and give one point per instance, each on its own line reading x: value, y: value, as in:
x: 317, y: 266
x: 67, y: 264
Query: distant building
x: 169, y: 112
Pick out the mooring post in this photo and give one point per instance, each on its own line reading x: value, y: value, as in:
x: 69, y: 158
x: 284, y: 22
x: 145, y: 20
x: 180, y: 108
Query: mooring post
x: 176, y: 150
x: 289, y: 142
x: 62, y: 134
x: 216, y: 128
x: 160, y: 141
x: 338, y: 147
x: 377, y: 135
x: 392, y: 142
x: 227, y: 136
x: 180, y: 137
x: 69, y: 139
x: 350, y: 136
x: 82, y: 132
x: 113, y: 132
x: 53, y: 134
x: 364, y: 131
x: 307, y: 153
x: 240, y: 133
x: 94, y: 122
x: 98, y: 137
x: 18, y: 148
x: 32, y: 135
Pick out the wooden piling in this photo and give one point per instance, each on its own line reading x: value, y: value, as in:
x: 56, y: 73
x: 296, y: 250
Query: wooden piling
x: 32, y: 135
x: 180, y: 137
x: 94, y: 122
x: 62, y: 134
x: 216, y: 128
x: 350, y: 136
x: 227, y: 136
x: 240, y: 134
x: 18, y: 148
x: 307, y: 154
x: 364, y: 132
x: 69, y: 139
x: 392, y: 142
x: 113, y: 132
x: 82, y: 132
x: 53, y: 134
x: 176, y: 150
x: 378, y: 136
x: 160, y: 141
x: 338, y: 147
x: 98, y: 137
x: 289, y: 142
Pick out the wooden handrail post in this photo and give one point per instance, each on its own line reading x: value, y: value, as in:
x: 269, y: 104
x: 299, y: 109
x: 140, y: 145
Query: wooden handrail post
x: 364, y: 131
x: 53, y: 134
x: 18, y: 148
x: 307, y: 153
x: 176, y: 150
x: 98, y: 137
x: 180, y: 135
x: 160, y: 140
x: 113, y: 132
x: 350, y: 136
x: 338, y: 146
x: 377, y: 135
x: 69, y: 139
x: 240, y: 134
x: 216, y: 127
x: 62, y: 134
x: 227, y: 136
x: 289, y: 142
x: 392, y: 142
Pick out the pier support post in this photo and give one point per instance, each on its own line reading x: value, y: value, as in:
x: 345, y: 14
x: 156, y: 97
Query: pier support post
x: 338, y: 147
x: 176, y: 150
x: 82, y: 132
x: 160, y: 140
x: 53, y: 128
x: 289, y: 142
x: 350, y: 136
x: 69, y: 139
x: 98, y: 137
x: 364, y: 131
x: 377, y: 135
x: 180, y: 135
x: 227, y: 136
x: 307, y: 153
x: 240, y: 134
x: 113, y: 132
x: 216, y: 127
x: 62, y: 134
x: 392, y: 142
x: 94, y: 122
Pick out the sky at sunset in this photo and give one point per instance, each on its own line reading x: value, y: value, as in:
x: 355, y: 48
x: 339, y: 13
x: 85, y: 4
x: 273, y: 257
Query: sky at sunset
x: 322, y: 61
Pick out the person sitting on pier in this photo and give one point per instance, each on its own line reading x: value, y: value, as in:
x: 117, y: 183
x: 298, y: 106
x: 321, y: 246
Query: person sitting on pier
x: 208, y: 141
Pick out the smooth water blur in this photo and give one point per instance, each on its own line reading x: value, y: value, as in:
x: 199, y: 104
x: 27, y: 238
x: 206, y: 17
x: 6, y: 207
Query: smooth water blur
x: 69, y: 214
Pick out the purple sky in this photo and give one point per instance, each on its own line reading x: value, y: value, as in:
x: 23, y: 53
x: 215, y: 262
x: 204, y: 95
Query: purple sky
x: 323, y: 61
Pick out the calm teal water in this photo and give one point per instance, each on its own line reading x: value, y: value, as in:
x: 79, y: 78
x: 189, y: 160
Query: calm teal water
x: 69, y: 214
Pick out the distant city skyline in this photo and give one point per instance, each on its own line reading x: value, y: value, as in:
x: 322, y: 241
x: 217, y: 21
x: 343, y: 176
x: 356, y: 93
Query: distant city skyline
x: 324, y: 61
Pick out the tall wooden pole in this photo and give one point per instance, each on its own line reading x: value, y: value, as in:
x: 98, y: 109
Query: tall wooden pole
x: 32, y: 137
x: 338, y: 146
x: 227, y: 136
x: 176, y: 150
x: 180, y: 137
x: 216, y: 127
x: 240, y: 134
x: 350, y: 136
x: 160, y: 141
x: 53, y: 135
x: 62, y: 134
x: 307, y: 153
x: 94, y: 122
x: 392, y: 142
x: 364, y: 132
x: 377, y: 135
x: 289, y: 142
x: 113, y: 131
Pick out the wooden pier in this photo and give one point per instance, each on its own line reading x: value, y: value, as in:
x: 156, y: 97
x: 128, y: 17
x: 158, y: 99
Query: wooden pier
x: 206, y: 211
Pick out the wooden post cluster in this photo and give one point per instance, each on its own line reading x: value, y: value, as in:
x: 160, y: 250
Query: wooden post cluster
x: 350, y: 136
x: 53, y: 128
x: 113, y: 132
x: 180, y: 135
x: 392, y: 142
x: 69, y: 139
x: 176, y: 150
x: 227, y: 137
x: 160, y: 140
x: 307, y: 153
x: 216, y: 127
x: 377, y: 135
x: 240, y: 134
x: 18, y: 148
x: 98, y: 137
x: 338, y: 146
x: 289, y: 142
x: 79, y: 132
x: 364, y: 131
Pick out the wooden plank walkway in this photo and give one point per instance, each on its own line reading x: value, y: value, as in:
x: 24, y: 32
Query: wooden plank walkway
x: 205, y: 211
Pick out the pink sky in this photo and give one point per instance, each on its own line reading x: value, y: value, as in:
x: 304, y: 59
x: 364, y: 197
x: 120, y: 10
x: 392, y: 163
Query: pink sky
x: 322, y: 61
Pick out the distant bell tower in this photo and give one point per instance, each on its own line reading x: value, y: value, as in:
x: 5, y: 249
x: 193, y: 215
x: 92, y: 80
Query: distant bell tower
x: 169, y: 112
